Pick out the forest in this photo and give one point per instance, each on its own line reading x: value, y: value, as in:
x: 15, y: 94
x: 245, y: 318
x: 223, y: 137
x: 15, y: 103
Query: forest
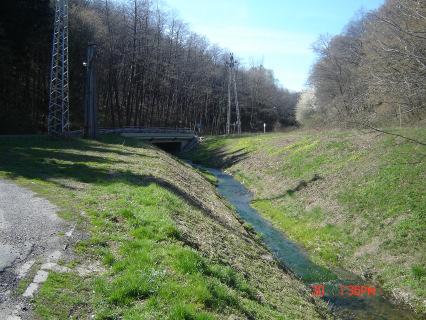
x: 152, y: 71
x: 373, y: 73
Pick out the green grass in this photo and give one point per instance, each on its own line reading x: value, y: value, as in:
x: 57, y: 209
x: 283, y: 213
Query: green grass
x: 64, y: 296
x: 209, y: 177
x: 143, y: 226
x: 305, y: 226
x: 366, y: 212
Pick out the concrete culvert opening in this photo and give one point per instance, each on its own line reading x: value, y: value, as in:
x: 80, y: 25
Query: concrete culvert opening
x: 170, y: 147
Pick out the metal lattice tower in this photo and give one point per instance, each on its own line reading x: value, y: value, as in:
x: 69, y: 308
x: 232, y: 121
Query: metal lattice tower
x: 58, y: 118
x: 231, y: 80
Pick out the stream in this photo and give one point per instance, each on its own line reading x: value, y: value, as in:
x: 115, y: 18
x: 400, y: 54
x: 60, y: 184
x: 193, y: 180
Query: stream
x: 293, y: 257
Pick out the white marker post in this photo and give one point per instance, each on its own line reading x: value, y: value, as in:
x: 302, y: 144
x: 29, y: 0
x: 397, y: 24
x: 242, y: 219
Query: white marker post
x: 264, y: 127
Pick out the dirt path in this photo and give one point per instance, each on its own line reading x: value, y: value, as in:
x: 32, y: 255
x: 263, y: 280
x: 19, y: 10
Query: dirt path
x: 32, y: 240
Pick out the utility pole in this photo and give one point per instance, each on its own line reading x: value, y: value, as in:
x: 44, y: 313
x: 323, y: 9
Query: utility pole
x: 237, y: 107
x: 58, y: 116
x: 231, y: 79
x: 228, y: 114
x: 90, y: 107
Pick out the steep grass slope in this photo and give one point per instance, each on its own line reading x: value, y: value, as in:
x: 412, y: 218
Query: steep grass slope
x: 157, y: 242
x: 353, y: 199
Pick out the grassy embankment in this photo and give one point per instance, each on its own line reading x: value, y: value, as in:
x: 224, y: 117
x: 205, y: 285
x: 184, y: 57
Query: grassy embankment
x: 352, y: 199
x: 157, y: 242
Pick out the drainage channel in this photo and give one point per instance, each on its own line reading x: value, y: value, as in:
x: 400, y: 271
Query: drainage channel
x: 369, y: 305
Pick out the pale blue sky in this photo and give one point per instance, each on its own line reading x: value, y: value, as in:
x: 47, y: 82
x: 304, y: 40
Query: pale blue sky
x: 278, y: 33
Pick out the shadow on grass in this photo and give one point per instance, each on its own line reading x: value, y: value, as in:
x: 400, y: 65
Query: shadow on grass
x: 231, y: 157
x: 301, y: 185
x: 60, y: 161
x: 219, y: 158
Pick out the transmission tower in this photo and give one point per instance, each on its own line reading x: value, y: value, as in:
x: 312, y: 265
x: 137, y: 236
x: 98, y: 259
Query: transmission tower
x: 231, y: 80
x: 58, y: 118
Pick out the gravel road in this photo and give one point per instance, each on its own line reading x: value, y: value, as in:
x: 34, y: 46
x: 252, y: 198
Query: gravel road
x: 29, y: 244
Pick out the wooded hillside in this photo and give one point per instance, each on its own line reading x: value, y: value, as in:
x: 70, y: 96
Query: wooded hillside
x: 151, y: 70
x: 374, y: 72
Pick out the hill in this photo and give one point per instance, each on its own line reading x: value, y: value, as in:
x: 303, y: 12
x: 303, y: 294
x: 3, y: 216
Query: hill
x: 353, y: 199
x: 156, y: 241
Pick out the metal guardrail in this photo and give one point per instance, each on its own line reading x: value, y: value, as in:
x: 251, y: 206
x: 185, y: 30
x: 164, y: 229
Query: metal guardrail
x: 77, y: 133
x: 74, y: 133
x: 146, y: 130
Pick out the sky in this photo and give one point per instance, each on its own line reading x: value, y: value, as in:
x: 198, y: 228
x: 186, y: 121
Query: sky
x: 277, y: 33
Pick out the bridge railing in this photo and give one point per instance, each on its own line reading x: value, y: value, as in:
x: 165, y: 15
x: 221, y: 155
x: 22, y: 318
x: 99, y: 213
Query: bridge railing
x: 146, y: 130
x: 136, y: 130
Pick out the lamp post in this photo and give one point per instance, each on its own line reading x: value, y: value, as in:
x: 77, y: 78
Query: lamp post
x: 90, y: 109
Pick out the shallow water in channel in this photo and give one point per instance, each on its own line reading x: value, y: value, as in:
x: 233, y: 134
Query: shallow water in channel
x: 293, y: 257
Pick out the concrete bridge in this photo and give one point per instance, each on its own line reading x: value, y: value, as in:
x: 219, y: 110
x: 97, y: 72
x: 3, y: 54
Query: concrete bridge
x: 169, y: 139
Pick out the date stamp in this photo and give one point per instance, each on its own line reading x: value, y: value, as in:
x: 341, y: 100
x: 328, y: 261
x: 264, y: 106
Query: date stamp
x: 351, y: 290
